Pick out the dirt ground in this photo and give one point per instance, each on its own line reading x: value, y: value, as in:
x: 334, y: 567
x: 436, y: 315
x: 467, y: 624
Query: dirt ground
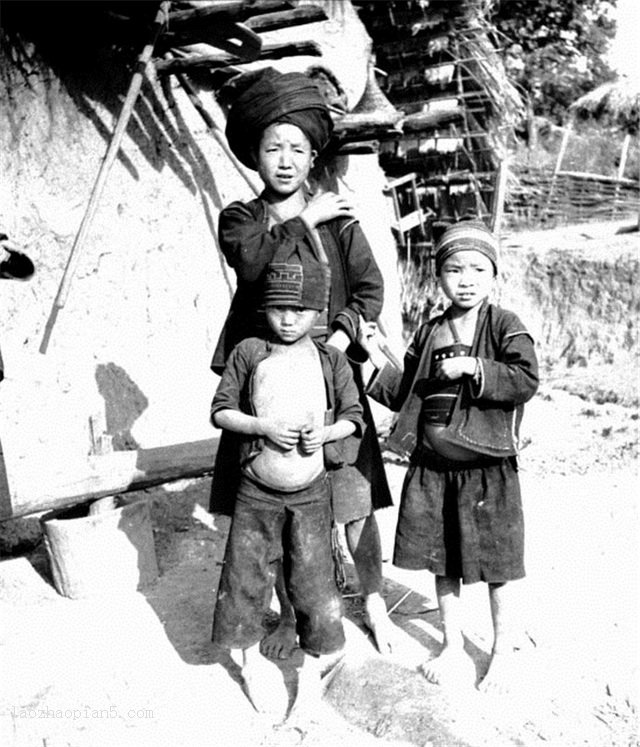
x: 137, y: 668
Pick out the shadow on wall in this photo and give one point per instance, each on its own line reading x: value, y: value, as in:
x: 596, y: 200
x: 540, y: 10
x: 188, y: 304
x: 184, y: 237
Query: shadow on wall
x: 124, y: 402
x: 40, y: 41
x: 94, y: 67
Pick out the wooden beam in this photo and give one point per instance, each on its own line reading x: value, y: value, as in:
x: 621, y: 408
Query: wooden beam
x: 422, y: 121
x: 350, y: 130
x: 459, y: 177
x: 236, y: 9
x: 286, y: 18
x: 218, y: 28
x: 110, y: 474
x: 590, y: 177
x: 269, y: 52
x: 358, y: 148
x: 236, y: 39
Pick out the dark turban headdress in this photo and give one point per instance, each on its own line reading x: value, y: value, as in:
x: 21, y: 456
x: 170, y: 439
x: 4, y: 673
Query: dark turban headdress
x: 267, y: 96
x: 467, y: 235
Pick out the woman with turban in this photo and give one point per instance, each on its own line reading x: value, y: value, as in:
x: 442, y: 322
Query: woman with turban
x: 277, y: 125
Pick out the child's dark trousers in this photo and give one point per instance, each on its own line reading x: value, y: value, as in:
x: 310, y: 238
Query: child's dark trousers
x: 268, y: 525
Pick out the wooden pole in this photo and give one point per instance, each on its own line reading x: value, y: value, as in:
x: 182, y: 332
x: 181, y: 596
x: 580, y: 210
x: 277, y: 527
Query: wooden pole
x: 623, y: 163
x: 105, y: 167
x: 215, y: 131
x: 498, y: 197
x: 561, y: 152
x: 623, y: 156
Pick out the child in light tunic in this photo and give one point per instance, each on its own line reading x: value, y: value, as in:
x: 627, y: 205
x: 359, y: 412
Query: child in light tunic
x: 467, y: 374
x: 292, y: 398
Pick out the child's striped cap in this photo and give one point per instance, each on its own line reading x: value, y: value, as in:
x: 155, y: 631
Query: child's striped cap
x: 468, y: 235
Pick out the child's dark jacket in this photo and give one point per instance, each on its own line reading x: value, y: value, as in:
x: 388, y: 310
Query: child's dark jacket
x: 234, y: 392
x: 488, y: 410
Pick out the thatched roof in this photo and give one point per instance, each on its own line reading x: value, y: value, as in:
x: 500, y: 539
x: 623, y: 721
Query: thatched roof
x: 205, y: 42
x: 441, y: 65
x: 428, y: 50
x: 617, y: 102
x: 443, y: 68
x: 212, y: 40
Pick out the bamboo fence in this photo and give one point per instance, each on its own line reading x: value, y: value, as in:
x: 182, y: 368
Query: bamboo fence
x: 540, y: 197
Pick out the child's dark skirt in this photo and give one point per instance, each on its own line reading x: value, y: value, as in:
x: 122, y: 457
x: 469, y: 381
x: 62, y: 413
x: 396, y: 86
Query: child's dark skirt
x: 461, y: 520
x: 269, y: 525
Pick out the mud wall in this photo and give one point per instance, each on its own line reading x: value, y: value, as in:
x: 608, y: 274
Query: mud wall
x: 129, y: 353
x: 578, y: 291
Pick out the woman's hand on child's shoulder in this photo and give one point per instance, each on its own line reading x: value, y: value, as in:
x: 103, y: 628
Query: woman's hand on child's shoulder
x: 326, y: 206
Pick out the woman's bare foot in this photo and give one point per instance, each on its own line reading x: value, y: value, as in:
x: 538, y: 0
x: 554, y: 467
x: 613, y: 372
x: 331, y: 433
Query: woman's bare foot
x: 264, y: 684
x: 378, y: 622
x: 452, y: 665
x: 281, y: 643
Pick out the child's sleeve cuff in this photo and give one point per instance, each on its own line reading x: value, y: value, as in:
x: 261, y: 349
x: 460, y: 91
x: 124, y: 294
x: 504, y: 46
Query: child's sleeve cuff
x: 477, y: 380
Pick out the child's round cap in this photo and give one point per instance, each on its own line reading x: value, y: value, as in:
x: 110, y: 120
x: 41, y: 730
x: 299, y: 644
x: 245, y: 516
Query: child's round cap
x: 303, y: 285
x: 467, y: 235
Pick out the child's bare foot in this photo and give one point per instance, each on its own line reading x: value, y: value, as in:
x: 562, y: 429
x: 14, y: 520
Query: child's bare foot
x: 264, y: 684
x: 452, y: 665
x: 501, y: 677
x: 281, y: 643
x: 309, y: 695
x: 378, y: 622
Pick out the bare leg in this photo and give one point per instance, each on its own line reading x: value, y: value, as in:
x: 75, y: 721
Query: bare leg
x: 502, y: 668
x: 363, y: 541
x: 263, y: 683
x: 452, y: 663
x: 281, y: 643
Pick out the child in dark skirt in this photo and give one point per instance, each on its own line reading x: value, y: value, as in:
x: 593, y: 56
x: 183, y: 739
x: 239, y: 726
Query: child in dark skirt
x: 467, y: 374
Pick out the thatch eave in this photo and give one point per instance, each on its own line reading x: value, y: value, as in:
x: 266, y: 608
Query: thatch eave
x: 617, y: 101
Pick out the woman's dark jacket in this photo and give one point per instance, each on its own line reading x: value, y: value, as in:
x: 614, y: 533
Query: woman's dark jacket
x: 249, y: 245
